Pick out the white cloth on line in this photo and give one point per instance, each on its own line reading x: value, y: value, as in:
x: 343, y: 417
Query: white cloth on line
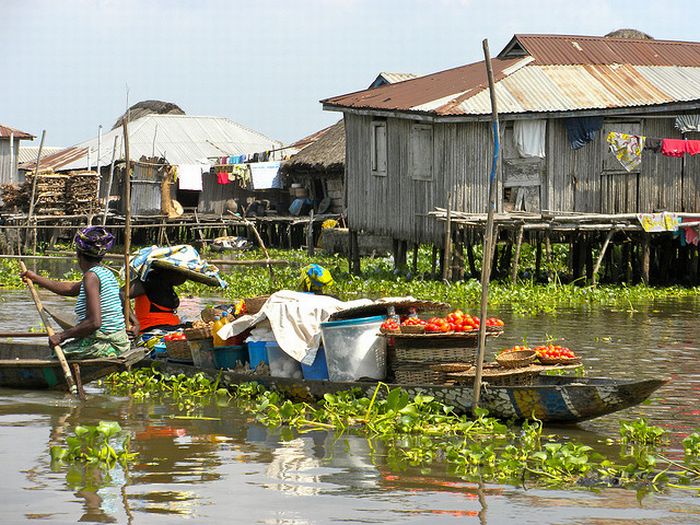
x: 190, y: 176
x: 295, y: 318
x: 529, y: 137
x: 265, y: 175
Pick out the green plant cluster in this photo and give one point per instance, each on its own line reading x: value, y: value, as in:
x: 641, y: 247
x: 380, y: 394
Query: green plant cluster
x: 189, y: 392
x: 95, y: 445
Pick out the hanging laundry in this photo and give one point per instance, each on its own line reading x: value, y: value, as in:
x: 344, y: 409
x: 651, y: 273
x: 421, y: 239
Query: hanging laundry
x: 692, y: 235
x: 626, y: 148
x: 686, y: 123
x: 241, y: 174
x: 652, y: 144
x: 256, y: 157
x: 529, y: 136
x: 582, y: 130
x: 658, y: 222
x: 692, y: 147
x: 265, y: 175
x: 222, y: 177
x: 190, y: 176
x: 673, y: 147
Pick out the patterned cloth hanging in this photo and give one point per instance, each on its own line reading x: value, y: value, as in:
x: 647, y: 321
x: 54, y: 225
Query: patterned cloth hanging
x: 626, y: 148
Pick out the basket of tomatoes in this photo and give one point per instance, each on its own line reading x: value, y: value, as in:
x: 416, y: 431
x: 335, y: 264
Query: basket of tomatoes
x: 516, y: 357
x: 459, y: 321
x: 390, y: 326
x: 177, y: 347
x: 413, y: 325
x: 556, y: 355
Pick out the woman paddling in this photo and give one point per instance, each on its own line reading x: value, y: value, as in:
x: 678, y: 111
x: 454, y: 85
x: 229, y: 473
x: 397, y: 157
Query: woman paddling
x: 100, y: 331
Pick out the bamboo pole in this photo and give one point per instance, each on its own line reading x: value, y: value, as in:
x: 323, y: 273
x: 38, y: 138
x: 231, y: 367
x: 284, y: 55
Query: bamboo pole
x: 23, y: 334
x: 110, y: 179
x: 33, y: 192
x: 44, y: 318
x: 516, y: 257
x: 127, y: 223
x: 447, y: 265
x: 599, y: 260
x: 489, y: 234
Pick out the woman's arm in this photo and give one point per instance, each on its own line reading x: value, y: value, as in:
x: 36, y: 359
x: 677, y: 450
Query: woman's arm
x: 135, y: 290
x: 66, y: 288
x: 93, y: 319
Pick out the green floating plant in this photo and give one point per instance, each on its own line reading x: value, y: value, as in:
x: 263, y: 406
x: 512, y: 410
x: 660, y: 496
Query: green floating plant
x: 95, y: 444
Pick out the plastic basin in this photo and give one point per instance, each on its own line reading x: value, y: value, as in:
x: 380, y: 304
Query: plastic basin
x: 282, y: 365
x: 319, y: 368
x: 227, y: 356
x: 353, y: 350
x: 257, y: 353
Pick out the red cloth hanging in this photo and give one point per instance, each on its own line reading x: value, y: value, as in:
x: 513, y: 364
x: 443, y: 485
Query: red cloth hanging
x: 222, y: 177
x: 673, y: 147
x: 693, y: 147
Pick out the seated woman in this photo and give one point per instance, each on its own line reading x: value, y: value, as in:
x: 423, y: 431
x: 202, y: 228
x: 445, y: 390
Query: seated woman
x: 100, y: 331
x: 155, y: 301
x: 315, y: 279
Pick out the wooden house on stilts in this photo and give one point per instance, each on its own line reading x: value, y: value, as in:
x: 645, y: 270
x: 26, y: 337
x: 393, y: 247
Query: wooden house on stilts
x: 411, y: 145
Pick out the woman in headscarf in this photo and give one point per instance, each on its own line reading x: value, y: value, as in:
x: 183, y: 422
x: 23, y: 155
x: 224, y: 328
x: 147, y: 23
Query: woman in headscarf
x: 100, y: 331
x: 315, y: 279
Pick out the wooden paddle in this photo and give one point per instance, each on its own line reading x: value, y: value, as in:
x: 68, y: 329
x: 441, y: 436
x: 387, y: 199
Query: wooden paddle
x: 45, y: 319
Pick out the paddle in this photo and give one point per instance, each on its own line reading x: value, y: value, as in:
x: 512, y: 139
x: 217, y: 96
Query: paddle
x: 45, y: 319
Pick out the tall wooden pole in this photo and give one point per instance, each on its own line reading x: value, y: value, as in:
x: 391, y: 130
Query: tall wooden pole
x: 447, y: 257
x: 127, y: 221
x: 489, y: 233
x: 109, y: 181
x: 33, y: 194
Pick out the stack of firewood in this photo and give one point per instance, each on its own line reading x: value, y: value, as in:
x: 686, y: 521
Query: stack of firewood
x: 50, y: 193
x: 81, y: 192
x: 13, y: 197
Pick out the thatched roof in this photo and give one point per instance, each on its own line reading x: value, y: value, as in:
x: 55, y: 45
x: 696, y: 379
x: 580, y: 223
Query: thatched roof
x: 326, y: 154
x: 629, y: 33
x: 148, y: 107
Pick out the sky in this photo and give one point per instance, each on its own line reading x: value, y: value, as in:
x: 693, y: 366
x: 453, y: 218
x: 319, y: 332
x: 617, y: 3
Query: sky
x: 68, y: 66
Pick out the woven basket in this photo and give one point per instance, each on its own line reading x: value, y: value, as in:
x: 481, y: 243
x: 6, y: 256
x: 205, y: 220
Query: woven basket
x: 433, y: 355
x: 179, y: 350
x: 194, y: 334
x: 452, y: 367
x: 419, y: 375
x: 413, y: 329
x: 388, y: 332
x: 559, y: 360
x: 254, y: 304
x: 516, y: 359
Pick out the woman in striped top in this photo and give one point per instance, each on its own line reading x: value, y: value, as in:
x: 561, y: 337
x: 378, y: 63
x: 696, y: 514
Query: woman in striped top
x: 100, y: 331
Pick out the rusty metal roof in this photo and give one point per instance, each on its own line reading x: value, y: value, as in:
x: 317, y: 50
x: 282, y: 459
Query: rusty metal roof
x: 6, y: 131
x: 567, y: 49
x: 549, y: 73
x: 28, y: 153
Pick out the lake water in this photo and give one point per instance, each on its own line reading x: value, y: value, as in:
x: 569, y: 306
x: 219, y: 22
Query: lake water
x: 234, y: 470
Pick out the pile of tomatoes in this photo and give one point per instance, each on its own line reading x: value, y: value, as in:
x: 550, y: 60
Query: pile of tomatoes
x: 413, y: 321
x: 554, y: 352
x: 175, y: 336
x: 390, y: 325
x: 458, y: 321
x: 516, y: 348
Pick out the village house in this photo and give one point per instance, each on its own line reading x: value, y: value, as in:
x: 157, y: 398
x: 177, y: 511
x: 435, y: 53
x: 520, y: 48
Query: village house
x: 411, y: 144
x: 9, y: 153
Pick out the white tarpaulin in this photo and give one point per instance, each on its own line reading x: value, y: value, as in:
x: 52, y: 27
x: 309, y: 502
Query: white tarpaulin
x: 295, y: 318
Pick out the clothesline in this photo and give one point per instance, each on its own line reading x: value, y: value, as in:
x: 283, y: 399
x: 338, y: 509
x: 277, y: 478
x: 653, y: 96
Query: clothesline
x: 628, y: 148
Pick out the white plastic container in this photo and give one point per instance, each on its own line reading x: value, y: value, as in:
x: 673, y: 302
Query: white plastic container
x: 281, y: 364
x: 202, y: 353
x: 353, y: 349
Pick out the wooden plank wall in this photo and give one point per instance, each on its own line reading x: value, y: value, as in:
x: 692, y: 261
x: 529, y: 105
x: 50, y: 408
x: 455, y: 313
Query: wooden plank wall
x: 660, y: 184
x: 396, y: 204
x: 8, y: 174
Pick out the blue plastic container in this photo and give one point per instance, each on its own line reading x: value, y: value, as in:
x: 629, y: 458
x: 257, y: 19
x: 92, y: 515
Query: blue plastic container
x: 226, y: 356
x: 319, y: 368
x: 257, y: 353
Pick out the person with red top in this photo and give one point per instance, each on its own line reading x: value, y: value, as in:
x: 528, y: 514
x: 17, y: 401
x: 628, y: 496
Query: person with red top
x: 155, y: 301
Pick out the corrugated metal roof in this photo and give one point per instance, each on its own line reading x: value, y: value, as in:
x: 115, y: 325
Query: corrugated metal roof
x: 28, y: 153
x: 180, y: 139
x: 6, y: 131
x: 570, y: 49
x: 544, y: 73
x: 393, y: 78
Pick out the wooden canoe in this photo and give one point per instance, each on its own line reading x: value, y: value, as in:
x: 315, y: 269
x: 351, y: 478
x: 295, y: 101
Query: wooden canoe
x: 554, y: 399
x: 30, y: 366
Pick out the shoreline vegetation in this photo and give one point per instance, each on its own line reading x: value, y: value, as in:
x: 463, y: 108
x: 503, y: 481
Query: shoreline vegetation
x: 421, y: 431
x: 526, y: 297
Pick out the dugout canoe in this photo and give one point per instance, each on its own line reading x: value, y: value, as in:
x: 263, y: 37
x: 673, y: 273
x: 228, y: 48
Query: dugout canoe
x: 553, y: 399
x: 30, y: 366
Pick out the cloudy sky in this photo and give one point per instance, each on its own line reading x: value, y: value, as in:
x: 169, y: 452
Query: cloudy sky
x: 66, y: 64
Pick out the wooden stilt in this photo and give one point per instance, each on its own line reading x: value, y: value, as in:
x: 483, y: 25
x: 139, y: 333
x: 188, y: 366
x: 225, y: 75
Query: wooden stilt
x: 470, y: 258
x: 414, y: 265
x: 538, y: 258
x: 447, y: 257
x: 599, y: 260
x: 516, y: 257
x: 356, y: 269
x: 588, y: 252
x: 433, y: 262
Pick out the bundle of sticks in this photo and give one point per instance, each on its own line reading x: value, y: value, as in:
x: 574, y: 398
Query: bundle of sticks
x: 81, y: 192
x: 50, y: 193
x: 13, y: 197
x: 55, y: 194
